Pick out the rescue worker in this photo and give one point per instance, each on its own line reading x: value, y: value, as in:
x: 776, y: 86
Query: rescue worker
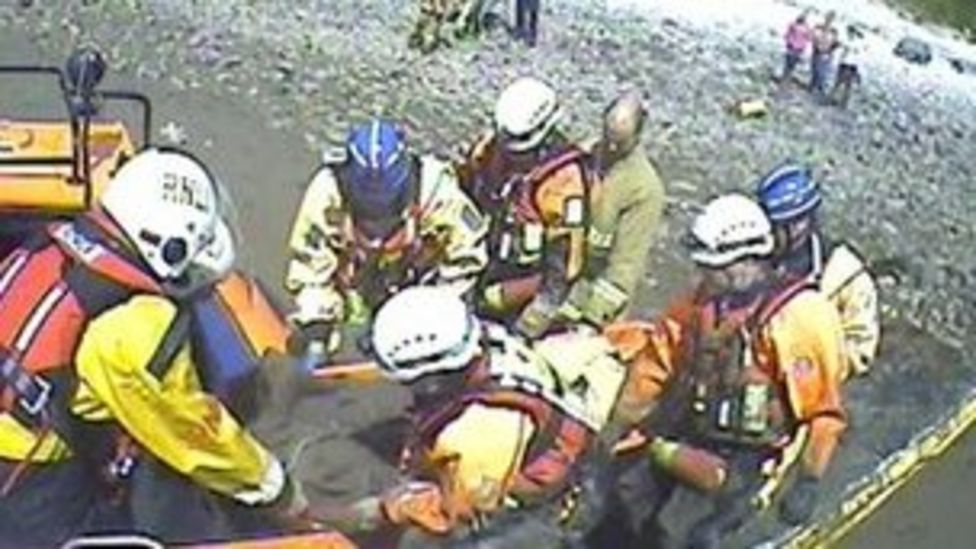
x: 501, y: 430
x: 536, y: 186
x: 375, y: 219
x: 435, y: 15
x: 106, y: 376
x: 791, y: 198
x: 738, y: 381
x: 624, y: 219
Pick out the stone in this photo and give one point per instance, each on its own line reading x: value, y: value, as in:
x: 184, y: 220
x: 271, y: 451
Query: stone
x: 914, y: 50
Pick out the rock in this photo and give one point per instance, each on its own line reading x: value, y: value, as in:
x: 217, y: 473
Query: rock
x: 963, y: 66
x: 914, y: 50
x: 173, y: 133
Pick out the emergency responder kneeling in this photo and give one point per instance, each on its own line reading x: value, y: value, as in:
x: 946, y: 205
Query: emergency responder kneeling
x: 736, y: 382
x: 791, y: 198
x: 536, y: 187
x: 501, y: 429
x: 108, y: 383
x: 375, y: 219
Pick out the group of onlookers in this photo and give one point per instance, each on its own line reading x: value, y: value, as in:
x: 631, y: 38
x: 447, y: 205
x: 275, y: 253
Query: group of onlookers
x: 827, y: 50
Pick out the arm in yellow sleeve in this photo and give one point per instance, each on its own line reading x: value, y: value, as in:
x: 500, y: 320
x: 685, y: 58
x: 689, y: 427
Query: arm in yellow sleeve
x: 457, y: 224
x: 808, y: 342
x: 317, y: 226
x: 173, y: 418
x: 627, y: 261
x: 315, y: 260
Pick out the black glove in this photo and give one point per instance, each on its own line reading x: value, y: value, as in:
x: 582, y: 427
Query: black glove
x: 299, y: 339
x: 800, y: 501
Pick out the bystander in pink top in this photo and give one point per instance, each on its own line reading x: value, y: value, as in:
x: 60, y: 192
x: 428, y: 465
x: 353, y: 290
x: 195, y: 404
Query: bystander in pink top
x: 798, y: 36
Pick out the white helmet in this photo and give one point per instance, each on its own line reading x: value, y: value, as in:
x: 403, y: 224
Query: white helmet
x: 730, y: 228
x: 167, y: 205
x: 424, y: 330
x: 526, y: 113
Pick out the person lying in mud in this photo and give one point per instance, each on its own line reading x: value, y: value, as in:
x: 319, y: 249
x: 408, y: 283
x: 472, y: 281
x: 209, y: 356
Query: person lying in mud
x: 375, y: 219
x: 791, y: 198
x: 536, y: 186
x: 501, y: 430
x: 121, y: 353
x: 739, y: 382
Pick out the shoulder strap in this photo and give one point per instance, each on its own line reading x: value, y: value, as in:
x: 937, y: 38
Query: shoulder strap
x: 173, y: 340
x: 781, y: 297
x: 556, y: 162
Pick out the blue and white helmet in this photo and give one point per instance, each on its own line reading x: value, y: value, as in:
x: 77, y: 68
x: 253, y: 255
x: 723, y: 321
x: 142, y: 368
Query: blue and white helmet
x: 789, y: 192
x: 378, y: 172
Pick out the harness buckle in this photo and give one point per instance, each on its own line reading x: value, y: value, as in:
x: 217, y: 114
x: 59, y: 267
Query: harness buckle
x: 40, y: 401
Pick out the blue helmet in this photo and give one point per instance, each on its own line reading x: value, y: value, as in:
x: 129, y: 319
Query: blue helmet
x: 788, y: 192
x: 377, y: 177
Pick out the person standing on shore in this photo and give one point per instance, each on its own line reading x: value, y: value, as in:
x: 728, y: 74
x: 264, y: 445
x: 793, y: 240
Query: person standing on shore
x: 848, y: 68
x: 825, y: 43
x: 527, y: 21
x: 798, y: 37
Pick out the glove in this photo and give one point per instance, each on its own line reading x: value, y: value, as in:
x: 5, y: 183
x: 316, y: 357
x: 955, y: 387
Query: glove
x: 534, y: 321
x: 313, y: 343
x: 291, y: 509
x: 632, y: 441
x: 800, y: 501
x: 417, y: 504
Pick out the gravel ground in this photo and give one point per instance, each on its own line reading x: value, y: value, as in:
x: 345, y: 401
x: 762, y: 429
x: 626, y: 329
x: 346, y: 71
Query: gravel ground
x: 898, y: 166
x: 261, y: 87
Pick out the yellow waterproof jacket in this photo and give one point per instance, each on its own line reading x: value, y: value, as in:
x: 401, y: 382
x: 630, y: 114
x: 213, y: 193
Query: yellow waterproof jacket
x: 171, y: 418
x: 803, y: 341
x: 485, y: 455
x: 847, y: 283
x: 477, y: 456
x: 322, y: 241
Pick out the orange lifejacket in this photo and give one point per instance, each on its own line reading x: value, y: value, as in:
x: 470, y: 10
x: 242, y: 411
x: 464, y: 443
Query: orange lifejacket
x: 528, y: 207
x: 734, y: 392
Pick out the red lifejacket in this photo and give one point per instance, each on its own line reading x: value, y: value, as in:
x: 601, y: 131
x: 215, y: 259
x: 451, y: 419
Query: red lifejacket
x: 50, y: 287
x: 553, y: 454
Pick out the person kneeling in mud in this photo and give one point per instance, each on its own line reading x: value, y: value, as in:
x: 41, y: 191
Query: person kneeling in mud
x: 791, y: 199
x: 501, y: 429
x: 377, y: 218
x: 733, y: 381
x: 536, y: 185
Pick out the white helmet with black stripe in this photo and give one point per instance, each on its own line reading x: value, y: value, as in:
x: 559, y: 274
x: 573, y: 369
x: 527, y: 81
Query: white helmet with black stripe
x: 168, y: 205
x: 730, y: 228
x: 424, y: 330
x: 526, y: 113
